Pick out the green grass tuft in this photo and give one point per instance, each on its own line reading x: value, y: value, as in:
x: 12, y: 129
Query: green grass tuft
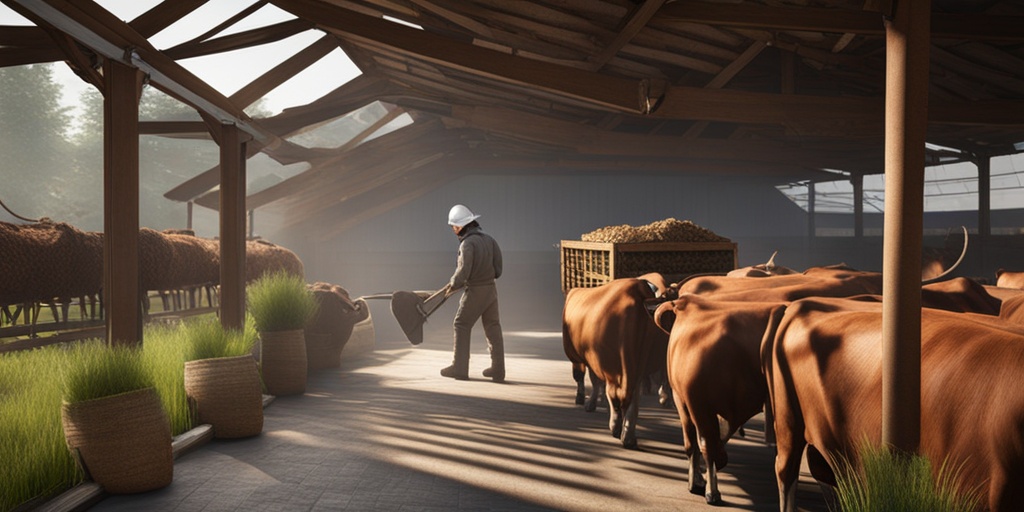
x: 888, y: 481
x: 95, y: 370
x: 208, y: 339
x: 36, y: 459
x: 280, y: 302
x: 163, y: 354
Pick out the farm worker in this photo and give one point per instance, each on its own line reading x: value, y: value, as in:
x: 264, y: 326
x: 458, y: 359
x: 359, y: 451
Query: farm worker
x: 479, y: 264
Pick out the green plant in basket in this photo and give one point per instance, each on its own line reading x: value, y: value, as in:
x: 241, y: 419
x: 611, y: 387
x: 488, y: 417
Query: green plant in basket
x: 280, y: 301
x: 95, y: 370
x: 208, y: 339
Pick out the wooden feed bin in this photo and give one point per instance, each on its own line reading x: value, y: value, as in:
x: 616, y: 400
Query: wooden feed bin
x: 590, y: 264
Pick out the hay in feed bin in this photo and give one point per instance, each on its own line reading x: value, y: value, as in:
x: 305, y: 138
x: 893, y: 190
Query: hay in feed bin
x: 668, y: 230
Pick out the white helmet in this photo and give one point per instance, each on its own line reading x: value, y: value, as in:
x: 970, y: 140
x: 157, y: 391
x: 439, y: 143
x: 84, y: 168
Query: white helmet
x: 460, y: 216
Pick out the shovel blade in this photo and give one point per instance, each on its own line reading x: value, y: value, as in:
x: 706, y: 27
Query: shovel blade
x: 407, y: 307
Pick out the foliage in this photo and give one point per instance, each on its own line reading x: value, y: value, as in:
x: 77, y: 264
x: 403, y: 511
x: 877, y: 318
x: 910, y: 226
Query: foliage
x: 163, y: 355
x: 95, y: 370
x: 889, y: 481
x: 34, y: 170
x: 37, y: 462
x: 208, y: 339
x: 280, y: 301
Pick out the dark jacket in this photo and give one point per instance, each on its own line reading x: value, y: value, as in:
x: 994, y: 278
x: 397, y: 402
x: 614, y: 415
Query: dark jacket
x: 479, y: 259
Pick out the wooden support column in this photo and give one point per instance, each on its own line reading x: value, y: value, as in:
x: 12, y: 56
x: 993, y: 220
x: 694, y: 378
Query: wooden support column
x: 812, y: 227
x: 232, y: 227
x: 907, y: 37
x: 122, y: 293
x: 857, y: 180
x: 984, y: 163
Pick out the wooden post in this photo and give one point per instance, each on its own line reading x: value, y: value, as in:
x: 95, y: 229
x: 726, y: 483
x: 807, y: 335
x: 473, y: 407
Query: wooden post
x: 812, y: 228
x: 857, y: 180
x: 984, y: 164
x: 232, y: 227
x: 907, y: 39
x: 122, y: 293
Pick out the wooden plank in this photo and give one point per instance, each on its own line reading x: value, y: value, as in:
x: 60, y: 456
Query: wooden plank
x: 190, y: 441
x: 80, y: 497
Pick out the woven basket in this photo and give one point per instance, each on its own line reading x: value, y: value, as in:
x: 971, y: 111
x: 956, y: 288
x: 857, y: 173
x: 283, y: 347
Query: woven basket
x: 227, y: 395
x: 323, y: 350
x: 283, y: 361
x: 123, y: 441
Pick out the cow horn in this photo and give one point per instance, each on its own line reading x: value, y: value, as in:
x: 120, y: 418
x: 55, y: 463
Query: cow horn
x: 953, y: 266
x: 771, y: 262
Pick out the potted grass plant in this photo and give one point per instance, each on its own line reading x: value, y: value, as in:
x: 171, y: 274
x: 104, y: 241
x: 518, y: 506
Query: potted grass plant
x: 113, y: 419
x: 222, y: 381
x: 281, y: 306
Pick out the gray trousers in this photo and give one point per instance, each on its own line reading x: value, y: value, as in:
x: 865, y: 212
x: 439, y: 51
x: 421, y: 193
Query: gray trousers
x: 478, y: 303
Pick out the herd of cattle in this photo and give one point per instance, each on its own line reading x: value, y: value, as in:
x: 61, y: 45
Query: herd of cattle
x: 806, y: 348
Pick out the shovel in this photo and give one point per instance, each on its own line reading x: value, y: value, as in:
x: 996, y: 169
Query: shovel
x: 411, y: 309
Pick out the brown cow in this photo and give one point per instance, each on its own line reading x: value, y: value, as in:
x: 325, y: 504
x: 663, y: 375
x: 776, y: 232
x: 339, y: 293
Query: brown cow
x: 824, y: 374
x: 1007, y: 279
x: 767, y: 269
x: 714, y: 368
x: 609, y: 331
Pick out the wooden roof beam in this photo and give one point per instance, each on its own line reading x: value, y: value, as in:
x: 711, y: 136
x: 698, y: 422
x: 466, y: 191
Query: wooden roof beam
x: 113, y: 39
x: 594, y: 141
x: 288, y: 186
x: 247, y: 39
x: 163, y: 15
x: 284, y: 71
x: 637, y: 21
x: 602, y: 91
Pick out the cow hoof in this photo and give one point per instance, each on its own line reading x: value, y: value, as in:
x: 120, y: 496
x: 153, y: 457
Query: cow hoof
x: 629, y: 444
x: 714, y: 498
x: 590, y: 407
x: 579, y: 400
x: 699, y: 490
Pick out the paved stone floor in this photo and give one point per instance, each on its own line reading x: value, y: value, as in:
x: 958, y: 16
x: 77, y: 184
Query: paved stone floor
x: 384, y: 432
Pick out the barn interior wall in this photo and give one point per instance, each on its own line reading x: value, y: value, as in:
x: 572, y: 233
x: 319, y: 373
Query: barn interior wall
x: 412, y: 247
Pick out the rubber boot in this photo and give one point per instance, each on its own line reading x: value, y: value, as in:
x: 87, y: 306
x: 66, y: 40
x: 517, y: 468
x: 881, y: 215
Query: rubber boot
x: 496, y: 346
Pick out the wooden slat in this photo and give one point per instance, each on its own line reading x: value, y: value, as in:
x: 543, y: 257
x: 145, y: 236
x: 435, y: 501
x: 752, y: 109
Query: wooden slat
x: 247, y: 39
x: 636, y: 22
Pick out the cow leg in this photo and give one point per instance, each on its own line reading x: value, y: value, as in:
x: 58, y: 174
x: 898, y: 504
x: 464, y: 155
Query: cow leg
x: 579, y: 373
x: 614, y: 411
x: 597, y: 390
x: 713, y: 452
x: 632, y: 410
x: 695, y: 478
x: 789, y: 450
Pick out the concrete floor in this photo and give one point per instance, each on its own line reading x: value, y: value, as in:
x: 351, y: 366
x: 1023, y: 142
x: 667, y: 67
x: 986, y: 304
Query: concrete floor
x: 386, y: 432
